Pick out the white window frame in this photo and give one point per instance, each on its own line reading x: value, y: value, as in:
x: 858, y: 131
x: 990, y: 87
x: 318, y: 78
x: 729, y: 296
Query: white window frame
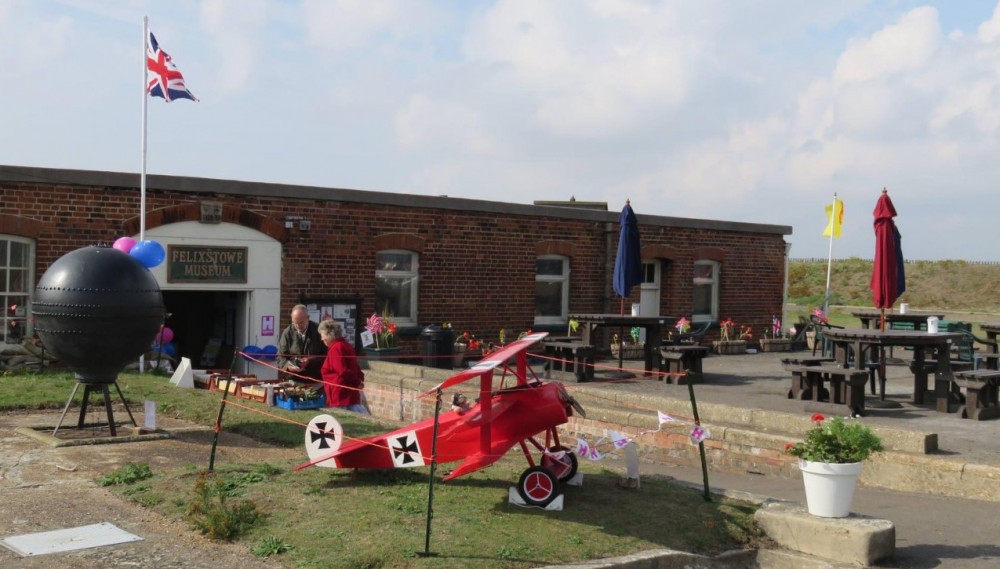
x: 403, y: 320
x: 23, y: 311
x: 563, y: 317
x: 714, y: 283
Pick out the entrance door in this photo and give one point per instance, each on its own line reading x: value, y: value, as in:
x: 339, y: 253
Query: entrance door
x: 208, y: 326
x: 649, y: 292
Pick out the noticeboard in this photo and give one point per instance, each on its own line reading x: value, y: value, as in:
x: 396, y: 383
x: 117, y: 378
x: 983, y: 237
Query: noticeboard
x: 343, y: 310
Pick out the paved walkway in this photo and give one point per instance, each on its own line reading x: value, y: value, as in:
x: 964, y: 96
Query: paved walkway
x: 757, y: 381
x: 931, y: 531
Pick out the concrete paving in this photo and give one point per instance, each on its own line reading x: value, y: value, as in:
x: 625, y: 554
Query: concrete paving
x: 931, y: 531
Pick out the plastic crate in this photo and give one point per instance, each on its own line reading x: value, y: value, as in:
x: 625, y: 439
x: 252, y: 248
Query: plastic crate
x: 293, y: 405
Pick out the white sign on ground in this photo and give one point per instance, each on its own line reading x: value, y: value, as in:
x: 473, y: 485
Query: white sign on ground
x: 71, y: 539
x: 183, y: 376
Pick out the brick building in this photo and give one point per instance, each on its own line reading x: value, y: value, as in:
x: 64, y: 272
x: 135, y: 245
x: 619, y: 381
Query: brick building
x: 241, y: 254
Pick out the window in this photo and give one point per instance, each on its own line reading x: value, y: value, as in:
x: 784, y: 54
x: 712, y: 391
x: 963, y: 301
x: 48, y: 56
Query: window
x: 551, y: 290
x: 706, y: 291
x: 16, y: 261
x: 396, y: 277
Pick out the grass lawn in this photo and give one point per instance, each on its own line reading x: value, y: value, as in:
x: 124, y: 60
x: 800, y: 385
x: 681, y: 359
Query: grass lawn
x: 335, y: 518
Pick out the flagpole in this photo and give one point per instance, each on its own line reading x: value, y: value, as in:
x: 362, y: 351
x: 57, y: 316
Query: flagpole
x: 829, y: 259
x: 145, y: 102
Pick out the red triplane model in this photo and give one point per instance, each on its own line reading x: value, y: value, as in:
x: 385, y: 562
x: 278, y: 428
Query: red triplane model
x: 477, y: 434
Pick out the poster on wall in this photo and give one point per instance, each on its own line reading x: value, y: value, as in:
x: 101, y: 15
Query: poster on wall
x: 344, y: 311
x: 267, y: 325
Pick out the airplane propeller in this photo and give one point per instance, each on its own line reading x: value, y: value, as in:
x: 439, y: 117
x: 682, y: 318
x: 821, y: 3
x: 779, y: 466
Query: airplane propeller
x: 571, y: 400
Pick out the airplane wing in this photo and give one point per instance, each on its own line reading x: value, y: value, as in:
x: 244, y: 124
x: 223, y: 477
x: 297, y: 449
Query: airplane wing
x: 491, y: 361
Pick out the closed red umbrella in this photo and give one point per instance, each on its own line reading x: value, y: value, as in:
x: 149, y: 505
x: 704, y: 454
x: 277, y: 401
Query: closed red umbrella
x: 888, y: 278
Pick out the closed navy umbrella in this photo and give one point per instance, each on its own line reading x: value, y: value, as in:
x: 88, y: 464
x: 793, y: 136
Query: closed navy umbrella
x: 628, y: 262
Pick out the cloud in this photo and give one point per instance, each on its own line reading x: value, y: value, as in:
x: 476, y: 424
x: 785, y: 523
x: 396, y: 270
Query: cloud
x: 234, y: 26
x: 594, y: 68
x: 441, y: 129
x: 340, y: 26
x: 896, y: 48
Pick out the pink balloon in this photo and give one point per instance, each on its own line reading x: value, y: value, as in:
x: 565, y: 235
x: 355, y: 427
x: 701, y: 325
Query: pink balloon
x: 124, y: 244
x: 165, y: 336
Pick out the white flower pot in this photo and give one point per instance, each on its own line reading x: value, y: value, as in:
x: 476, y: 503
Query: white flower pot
x: 829, y: 487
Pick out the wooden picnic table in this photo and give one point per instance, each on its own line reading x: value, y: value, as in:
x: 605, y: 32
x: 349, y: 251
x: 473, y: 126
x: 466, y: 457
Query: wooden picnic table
x: 864, y: 341
x: 654, y: 326
x: 871, y: 318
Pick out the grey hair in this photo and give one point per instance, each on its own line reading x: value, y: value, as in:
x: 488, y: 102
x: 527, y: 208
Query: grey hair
x: 331, y: 329
x: 299, y: 307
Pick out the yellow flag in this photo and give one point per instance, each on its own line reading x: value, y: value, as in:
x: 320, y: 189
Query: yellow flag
x: 834, y: 219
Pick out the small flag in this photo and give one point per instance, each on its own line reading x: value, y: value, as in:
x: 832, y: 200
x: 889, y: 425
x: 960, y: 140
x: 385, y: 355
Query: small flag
x: 834, y: 218
x: 582, y: 448
x: 594, y: 455
x: 699, y: 434
x: 775, y: 326
x: 619, y: 440
x: 664, y: 418
x: 164, y: 79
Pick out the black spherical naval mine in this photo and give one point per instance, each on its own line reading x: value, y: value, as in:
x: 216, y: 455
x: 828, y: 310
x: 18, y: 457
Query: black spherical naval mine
x: 96, y: 309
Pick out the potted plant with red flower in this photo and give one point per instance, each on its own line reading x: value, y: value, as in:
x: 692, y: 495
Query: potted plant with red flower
x: 830, y: 459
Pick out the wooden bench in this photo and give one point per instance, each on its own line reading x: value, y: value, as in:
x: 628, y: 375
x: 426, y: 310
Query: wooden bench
x: 989, y: 359
x: 946, y: 391
x: 804, y: 361
x: 847, y: 386
x: 571, y: 354
x: 981, y: 393
x: 682, y: 359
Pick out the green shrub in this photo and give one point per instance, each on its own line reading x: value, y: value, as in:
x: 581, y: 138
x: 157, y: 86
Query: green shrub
x: 131, y: 473
x: 215, y: 515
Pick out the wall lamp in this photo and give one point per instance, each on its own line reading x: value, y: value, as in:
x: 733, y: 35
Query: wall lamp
x: 304, y: 224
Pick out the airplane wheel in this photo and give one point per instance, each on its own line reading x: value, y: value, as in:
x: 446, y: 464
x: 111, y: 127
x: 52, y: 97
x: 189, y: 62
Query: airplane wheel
x: 564, y: 468
x: 538, y: 486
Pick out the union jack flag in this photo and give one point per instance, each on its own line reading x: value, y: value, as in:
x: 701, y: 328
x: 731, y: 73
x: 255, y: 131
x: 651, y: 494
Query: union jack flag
x: 164, y: 79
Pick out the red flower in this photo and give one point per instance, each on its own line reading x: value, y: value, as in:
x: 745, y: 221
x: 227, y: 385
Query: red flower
x: 817, y: 418
x: 788, y: 446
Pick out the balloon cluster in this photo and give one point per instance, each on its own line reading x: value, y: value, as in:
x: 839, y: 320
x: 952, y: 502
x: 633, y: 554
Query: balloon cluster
x: 267, y: 353
x: 149, y: 253
x: 163, y: 343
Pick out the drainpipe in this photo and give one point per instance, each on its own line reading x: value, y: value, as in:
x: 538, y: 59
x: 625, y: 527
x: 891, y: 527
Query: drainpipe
x: 609, y: 265
x: 784, y: 293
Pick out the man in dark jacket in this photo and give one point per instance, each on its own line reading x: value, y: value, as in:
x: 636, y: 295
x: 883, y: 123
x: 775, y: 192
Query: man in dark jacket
x: 300, y: 349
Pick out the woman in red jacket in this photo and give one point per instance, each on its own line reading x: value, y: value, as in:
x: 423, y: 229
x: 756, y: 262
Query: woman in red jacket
x: 343, y: 379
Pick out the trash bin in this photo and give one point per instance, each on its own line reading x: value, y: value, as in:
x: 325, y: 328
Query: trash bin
x: 437, y: 346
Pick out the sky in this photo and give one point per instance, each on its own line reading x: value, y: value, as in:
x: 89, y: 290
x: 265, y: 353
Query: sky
x: 739, y: 111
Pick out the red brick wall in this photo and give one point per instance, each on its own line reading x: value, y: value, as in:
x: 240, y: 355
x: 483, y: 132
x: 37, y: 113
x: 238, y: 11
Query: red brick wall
x: 476, y: 268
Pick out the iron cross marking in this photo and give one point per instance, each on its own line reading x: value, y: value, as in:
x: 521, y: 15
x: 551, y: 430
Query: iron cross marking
x: 323, y: 436
x: 404, y: 448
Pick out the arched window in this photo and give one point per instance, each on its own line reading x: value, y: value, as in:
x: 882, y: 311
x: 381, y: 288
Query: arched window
x: 17, y: 258
x: 706, y: 291
x: 551, y: 289
x: 396, y: 277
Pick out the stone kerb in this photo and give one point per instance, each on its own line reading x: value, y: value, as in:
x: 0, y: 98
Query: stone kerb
x: 791, y: 424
